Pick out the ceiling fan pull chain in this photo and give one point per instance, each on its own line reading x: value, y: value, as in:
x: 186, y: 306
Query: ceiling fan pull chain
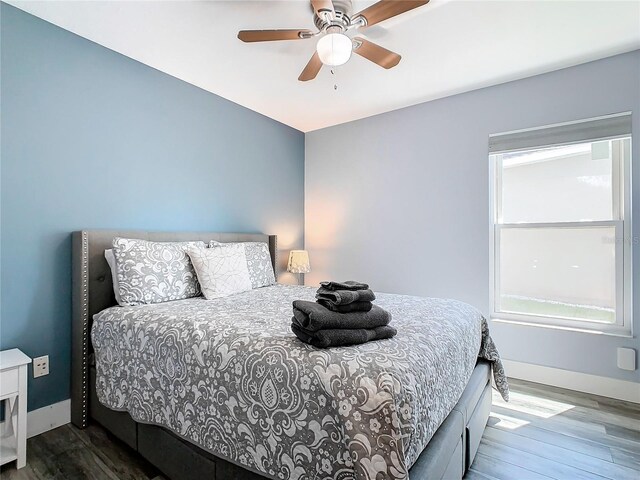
x: 335, y: 85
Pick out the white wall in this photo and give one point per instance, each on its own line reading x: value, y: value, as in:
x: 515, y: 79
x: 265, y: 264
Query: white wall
x: 401, y: 200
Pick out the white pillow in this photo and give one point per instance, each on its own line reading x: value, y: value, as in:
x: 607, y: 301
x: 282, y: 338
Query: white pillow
x: 111, y: 260
x: 221, y: 271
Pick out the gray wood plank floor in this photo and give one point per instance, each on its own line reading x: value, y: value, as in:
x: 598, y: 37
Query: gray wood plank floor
x: 542, y: 433
x: 546, y: 432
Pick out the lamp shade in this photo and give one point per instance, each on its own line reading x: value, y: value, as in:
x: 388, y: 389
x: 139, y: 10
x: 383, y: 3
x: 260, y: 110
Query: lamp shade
x: 334, y: 49
x: 299, y: 262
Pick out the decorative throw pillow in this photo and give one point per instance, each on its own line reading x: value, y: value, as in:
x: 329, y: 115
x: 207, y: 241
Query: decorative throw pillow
x: 111, y: 260
x: 222, y: 271
x: 258, y: 262
x: 154, y: 272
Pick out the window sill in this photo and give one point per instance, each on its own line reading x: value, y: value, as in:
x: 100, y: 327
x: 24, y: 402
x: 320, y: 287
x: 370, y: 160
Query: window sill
x: 612, y: 332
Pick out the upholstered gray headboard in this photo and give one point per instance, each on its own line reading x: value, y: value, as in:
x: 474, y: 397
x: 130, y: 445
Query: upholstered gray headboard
x: 92, y: 292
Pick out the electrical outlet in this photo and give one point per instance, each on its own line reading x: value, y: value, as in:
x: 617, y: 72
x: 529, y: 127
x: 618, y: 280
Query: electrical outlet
x: 41, y: 366
x: 627, y: 359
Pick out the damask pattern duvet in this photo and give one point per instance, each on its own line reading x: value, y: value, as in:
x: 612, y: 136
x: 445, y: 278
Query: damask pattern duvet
x: 230, y: 376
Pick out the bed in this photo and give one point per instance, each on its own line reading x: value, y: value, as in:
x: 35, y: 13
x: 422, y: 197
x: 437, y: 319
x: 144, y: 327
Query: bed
x: 222, y: 389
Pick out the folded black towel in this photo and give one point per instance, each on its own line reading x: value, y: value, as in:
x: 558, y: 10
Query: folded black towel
x: 342, y: 337
x: 348, y: 285
x: 313, y: 317
x: 349, y: 307
x: 342, y: 297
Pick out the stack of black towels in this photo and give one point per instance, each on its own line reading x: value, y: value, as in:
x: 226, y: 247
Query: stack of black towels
x: 342, y: 315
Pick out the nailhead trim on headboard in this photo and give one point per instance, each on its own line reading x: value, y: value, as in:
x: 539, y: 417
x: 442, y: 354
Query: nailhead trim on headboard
x: 85, y: 324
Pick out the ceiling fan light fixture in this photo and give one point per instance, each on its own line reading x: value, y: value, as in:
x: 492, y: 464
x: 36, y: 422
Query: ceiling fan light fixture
x: 334, y: 49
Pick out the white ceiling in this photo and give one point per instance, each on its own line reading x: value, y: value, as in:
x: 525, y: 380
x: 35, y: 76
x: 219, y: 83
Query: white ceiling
x: 447, y: 47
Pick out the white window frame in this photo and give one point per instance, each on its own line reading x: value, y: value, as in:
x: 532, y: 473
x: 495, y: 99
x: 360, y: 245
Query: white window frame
x: 621, y: 184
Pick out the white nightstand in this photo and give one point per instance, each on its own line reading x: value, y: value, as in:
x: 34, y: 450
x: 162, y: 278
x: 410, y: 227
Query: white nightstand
x: 13, y: 390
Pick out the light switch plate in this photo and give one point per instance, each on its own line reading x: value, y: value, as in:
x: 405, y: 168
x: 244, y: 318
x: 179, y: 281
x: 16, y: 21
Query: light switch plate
x: 627, y: 359
x: 41, y: 366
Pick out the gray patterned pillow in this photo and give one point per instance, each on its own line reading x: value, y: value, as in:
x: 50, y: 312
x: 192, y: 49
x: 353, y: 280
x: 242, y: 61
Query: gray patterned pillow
x: 258, y: 262
x: 154, y: 272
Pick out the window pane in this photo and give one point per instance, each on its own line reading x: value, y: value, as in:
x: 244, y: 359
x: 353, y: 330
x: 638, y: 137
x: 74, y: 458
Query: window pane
x: 558, y: 272
x: 571, y: 183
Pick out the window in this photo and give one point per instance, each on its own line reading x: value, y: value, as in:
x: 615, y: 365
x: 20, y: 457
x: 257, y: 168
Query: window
x: 561, y: 226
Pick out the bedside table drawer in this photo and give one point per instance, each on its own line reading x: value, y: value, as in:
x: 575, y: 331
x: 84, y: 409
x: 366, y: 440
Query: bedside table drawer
x: 8, y: 382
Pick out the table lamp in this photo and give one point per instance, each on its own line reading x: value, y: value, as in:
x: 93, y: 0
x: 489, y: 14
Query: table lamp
x: 299, y: 263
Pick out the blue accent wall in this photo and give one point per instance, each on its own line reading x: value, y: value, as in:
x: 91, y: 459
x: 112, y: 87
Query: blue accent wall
x: 93, y: 139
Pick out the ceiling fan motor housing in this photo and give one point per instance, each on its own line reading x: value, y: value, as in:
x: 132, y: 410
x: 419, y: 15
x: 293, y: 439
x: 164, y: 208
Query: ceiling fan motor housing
x: 342, y: 19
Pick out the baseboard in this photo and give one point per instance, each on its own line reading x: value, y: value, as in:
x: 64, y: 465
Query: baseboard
x: 47, y: 418
x: 581, y: 382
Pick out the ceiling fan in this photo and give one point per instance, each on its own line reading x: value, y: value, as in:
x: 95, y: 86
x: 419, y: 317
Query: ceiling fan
x: 333, y: 20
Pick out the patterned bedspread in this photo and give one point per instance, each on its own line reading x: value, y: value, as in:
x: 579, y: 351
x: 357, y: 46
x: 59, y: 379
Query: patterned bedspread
x: 230, y: 376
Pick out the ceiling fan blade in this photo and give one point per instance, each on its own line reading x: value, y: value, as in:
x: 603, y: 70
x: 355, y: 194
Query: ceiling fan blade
x: 311, y: 70
x: 386, y: 9
x: 272, y: 35
x: 377, y: 54
x: 320, y: 6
